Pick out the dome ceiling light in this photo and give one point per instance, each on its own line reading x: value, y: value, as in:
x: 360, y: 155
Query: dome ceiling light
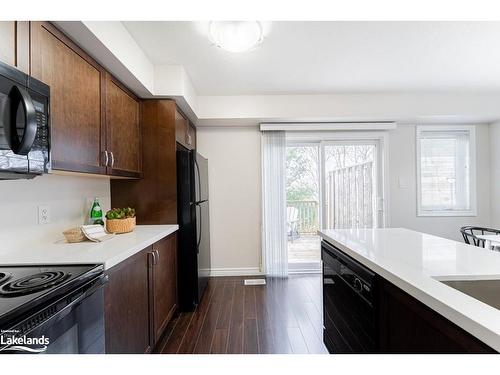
x: 236, y: 36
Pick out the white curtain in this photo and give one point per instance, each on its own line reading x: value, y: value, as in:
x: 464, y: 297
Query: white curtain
x: 274, y: 239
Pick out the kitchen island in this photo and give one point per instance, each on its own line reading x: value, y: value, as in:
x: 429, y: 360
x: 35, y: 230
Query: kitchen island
x: 415, y: 266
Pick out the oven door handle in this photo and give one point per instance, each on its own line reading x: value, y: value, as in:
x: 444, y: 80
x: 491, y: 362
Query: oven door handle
x: 94, y: 288
x: 19, y: 96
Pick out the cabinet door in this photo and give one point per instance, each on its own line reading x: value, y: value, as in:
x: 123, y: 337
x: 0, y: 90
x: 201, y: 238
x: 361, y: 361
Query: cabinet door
x: 408, y: 326
x: 164, y: 291
x: 14, y: 44
x: 8, y: 42
x: 123, y: 135
x: 191, y: 137
x: 181, y: 129
x: 75, y: 99
x: 127, y: 306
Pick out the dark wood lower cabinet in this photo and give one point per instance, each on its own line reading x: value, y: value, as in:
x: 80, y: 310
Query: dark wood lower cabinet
x: 406, y: 325
x: 127, y: 306
x: 163, y: 276
x: 141, y: 298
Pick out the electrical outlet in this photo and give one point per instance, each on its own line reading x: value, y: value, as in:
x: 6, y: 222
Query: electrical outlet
x: 43, y: 214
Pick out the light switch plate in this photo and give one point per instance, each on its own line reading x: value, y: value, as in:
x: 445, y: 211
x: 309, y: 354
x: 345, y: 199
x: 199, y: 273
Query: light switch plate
x: 402, y: 183
x: 43, y: 214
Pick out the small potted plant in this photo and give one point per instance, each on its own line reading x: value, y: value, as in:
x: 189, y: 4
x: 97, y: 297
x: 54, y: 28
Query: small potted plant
x: 120, y: 220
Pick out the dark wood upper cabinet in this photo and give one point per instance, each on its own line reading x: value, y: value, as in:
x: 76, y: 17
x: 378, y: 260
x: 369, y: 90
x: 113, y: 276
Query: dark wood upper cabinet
x: 123, y: 134
x: 126, y: 299
x: 77, y: 117
x: 14, y: 44
x: 163, y: 276
x: 8, y: 42
x: 95, y: 120
x: 184, y: 131
x: 192, y: 136
x: 154, y: 196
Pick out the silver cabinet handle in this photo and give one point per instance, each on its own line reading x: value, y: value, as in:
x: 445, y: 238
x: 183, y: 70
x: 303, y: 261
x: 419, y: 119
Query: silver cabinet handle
x: 112, y: 159
x: 154, y: 253
x: 106, y: 158
x: 157, y: 256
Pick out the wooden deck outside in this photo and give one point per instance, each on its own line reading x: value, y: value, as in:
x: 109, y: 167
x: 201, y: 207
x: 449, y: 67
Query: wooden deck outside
x: 305, y: 249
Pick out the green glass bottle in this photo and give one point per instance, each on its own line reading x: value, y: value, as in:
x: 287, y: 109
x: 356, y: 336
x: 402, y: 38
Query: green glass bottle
x: 96, y: 213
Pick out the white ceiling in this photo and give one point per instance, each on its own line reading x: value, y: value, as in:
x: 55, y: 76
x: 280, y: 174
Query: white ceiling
x: 333, y: 57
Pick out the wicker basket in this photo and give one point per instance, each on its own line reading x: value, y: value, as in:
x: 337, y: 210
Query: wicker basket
x: 74, y: 235
x: 120, y: 225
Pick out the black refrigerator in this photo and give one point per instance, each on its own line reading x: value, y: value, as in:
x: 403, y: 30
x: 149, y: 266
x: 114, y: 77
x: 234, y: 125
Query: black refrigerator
x: 194, y: 227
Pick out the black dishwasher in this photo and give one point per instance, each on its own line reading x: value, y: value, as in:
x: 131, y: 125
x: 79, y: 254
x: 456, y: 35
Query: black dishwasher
x: 349, y: 313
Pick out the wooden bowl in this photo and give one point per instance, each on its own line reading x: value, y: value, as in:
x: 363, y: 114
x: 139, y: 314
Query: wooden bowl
x: 120, y: 225
x: 74, y: 235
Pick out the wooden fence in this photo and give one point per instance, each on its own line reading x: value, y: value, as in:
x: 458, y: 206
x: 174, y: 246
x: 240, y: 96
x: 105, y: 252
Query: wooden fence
x: 349, y: 197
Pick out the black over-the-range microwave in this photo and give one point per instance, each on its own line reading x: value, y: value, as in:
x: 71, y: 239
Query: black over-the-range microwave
x: 24, y: 125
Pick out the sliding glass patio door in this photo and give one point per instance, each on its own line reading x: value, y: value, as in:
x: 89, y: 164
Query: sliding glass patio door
x: 330, y: 184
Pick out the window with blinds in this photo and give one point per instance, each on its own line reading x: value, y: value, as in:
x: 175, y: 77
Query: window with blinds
x: 445, y: 171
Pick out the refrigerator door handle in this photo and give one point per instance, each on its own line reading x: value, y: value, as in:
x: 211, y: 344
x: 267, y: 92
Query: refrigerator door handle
x: 198, y: 240
x: 198, y: 198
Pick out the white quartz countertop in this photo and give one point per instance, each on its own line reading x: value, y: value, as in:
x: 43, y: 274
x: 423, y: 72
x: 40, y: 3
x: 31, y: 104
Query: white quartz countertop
x: 414, y: 262
x: 108, y: 253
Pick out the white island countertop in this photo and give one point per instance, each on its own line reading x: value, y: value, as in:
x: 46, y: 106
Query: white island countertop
x: 414, y: 262
x: 109, y: 253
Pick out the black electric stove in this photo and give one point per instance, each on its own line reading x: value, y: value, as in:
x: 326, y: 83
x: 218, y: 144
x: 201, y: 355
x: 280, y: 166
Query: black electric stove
x: 37, y: 301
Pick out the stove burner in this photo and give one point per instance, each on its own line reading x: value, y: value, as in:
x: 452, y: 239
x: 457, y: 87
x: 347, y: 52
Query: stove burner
x: 33, y: 283
x: 4, y: 277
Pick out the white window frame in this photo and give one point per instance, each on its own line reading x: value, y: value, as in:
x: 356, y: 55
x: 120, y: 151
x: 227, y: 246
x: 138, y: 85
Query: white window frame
x: 472, y: 173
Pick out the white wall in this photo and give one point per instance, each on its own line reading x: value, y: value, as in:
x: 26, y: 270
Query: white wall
x: 68, y: 197
x: 495, y: 174
x: 234, y: 168
x: 402, y: 201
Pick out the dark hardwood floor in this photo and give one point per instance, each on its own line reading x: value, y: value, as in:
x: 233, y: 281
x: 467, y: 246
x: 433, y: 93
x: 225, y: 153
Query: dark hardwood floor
x: 283, y: 316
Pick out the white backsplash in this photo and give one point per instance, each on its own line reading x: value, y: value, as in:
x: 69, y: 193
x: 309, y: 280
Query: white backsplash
x: 68, y: 197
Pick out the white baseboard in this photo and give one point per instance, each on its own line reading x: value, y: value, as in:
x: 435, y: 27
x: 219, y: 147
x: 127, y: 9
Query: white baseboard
x: 251, y: 271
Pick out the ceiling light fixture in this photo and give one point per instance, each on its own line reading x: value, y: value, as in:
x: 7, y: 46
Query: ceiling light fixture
x: 236, y: 36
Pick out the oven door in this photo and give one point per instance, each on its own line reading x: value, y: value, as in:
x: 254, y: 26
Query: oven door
x: 75, y: 324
